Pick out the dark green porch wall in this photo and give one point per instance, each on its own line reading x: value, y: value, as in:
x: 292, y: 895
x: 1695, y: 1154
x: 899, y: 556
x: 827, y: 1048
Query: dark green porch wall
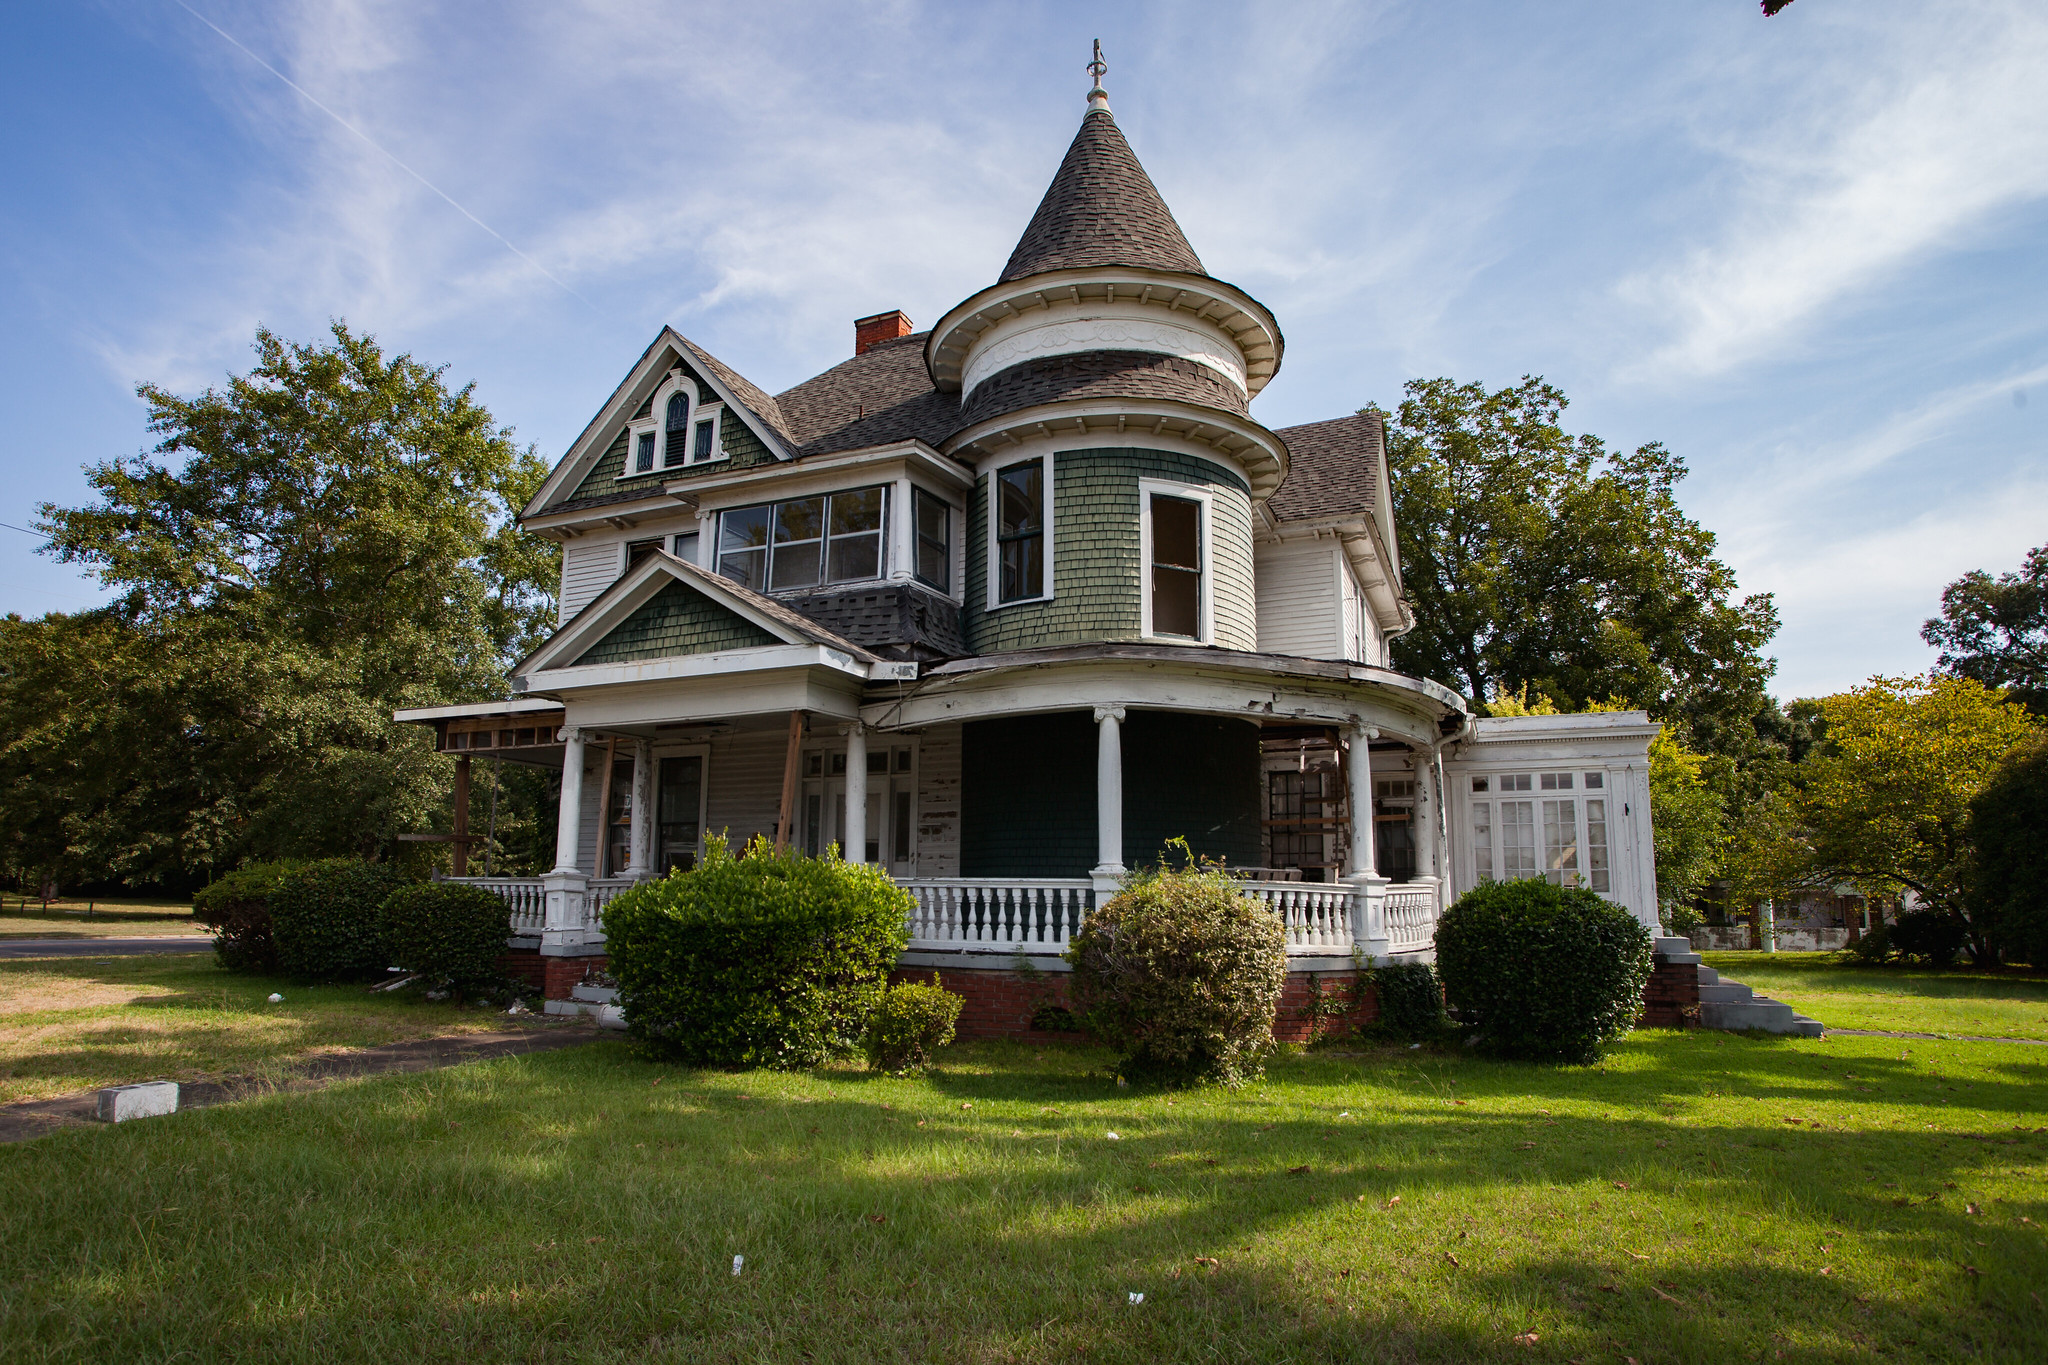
x: 1027, y: 791
x: 676, y: 620
x: 1096, y: 548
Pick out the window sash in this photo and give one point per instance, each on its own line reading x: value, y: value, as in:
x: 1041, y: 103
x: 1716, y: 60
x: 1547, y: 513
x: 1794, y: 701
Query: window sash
x: 800, y: 543
x: 643, y: 452
x: 934, y: 526
x: 1596, y: 842
x: 1020, y: 531
x: 706, y: 431
x: 1561, y: 843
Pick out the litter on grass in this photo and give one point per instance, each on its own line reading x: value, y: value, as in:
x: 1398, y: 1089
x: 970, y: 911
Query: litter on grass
x: 738, y: 1263
x: 1136, y: 1297
x: 276, y: 999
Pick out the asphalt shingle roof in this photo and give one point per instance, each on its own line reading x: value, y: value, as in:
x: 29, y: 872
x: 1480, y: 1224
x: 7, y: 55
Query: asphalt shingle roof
x: 1101, y: 374
x: 1101, y: 209
x: 880, y: 396
x: 1333, y: 469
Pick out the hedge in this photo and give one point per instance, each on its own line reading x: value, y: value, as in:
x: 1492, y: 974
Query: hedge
x: 450, y: 935
x: 768, y: 959
x: 324, y: 918
x: 237, y: 909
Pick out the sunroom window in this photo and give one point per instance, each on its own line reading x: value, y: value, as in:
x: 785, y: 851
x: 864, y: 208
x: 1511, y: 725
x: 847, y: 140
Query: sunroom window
x: 802, y: 542
x: 1505, y: 833
x: 1176, y: 566
x: 1020, y: 531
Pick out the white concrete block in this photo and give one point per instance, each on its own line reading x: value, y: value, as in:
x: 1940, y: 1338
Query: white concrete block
x: 146, y: 1100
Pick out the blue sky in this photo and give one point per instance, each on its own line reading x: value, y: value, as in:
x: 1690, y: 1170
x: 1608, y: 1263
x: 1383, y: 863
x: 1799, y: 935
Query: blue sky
x: 1804, y: 252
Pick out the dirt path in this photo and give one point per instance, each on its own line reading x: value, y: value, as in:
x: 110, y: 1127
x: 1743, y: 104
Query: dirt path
x: 1935, y: 1037
x: 34, y: 1118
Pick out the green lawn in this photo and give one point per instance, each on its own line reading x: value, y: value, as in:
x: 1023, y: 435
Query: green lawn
x: 70, y: 1024
x: 131, y: 918
x: 1955, y: 1000
x: 1392, y: 1205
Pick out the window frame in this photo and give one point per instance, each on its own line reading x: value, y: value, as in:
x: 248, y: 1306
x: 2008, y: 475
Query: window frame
x: 824, y: 582
x: 994, y: 584
x: 919, y: 496
x: 1582, y: 788
x: 1204, y: 499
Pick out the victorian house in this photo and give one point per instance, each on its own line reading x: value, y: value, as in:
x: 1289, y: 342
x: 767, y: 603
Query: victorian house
x: 1006, y: 604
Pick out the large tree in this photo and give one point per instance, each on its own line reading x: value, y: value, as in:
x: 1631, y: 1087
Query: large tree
x: 1886, y: 799
x: 1540, y: 560
x: 1996, y: 630
x: 326, y: 538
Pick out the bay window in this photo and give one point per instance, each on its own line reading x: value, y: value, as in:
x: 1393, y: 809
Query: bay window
x: 802, y: 542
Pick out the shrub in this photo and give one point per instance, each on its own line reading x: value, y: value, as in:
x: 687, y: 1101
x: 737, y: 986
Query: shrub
x: 1543, y: 972
x: 1872, y: 947
x: 237, y: 909
x: 1050, y: 1016
x: 768, y: 959
x: 449, y: 934
x: 324, y: 918
x: 1181, y: 974
x: 1932, y: 936
x: 910, y: 1024
x: 2009, y: 826
x: 1411, y: 1002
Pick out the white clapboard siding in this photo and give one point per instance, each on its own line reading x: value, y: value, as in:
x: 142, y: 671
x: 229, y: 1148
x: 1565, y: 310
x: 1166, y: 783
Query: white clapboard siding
x: 593, y: 792
x: 938, y: 802
x: 1299, y: 609
x: 745, y: 772
x: 587, y: 570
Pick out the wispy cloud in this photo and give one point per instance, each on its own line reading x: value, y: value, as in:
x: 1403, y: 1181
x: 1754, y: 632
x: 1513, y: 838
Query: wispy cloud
x: 1908, y: 139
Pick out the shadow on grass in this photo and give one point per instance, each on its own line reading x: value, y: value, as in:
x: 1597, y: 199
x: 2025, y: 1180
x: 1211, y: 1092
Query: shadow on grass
x: 588, y: 1205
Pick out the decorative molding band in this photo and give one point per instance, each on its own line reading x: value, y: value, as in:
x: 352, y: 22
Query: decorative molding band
x: 1070, y: 336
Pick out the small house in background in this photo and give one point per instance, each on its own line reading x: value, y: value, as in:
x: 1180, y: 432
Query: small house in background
x: 1005, y: 604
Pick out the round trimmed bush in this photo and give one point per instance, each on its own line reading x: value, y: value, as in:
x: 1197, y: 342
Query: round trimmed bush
x: 768, y: 959
x: 450, y: 935
x: 1181, y: 973
x: 323, y: 917
x: 237, y: 909
x: 910, y: 1024
x: 1545, y: 973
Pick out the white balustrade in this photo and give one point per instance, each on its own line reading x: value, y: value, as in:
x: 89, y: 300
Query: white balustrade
x: 960, y: 912
x: 603, y: 891
x: 525, y: 898
x: 1315, y: 914
x: 1411, y: 917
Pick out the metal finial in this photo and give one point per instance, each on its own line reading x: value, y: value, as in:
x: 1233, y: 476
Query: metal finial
x: 1098, y: 98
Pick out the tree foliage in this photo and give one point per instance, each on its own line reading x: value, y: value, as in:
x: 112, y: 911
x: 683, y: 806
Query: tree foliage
x: 1886, y: 801
x: 1537, y: 559
x: 2009, y: 826
x: 324, y: 539
x: 1996, y: 630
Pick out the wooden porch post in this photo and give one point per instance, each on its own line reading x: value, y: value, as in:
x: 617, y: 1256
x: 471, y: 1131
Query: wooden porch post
x: 604, y: 807
x: 462, y: 816
x: 785, y: 816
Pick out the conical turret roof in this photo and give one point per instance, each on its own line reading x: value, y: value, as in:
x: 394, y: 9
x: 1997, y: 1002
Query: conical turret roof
x: 1101, y: 209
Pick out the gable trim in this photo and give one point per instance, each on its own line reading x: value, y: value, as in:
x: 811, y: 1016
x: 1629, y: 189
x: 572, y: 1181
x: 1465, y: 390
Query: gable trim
x: 609, y: 609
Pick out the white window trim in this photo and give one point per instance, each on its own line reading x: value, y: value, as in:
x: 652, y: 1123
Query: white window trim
x: 1205, y: 501
x: 994, y: 556
x: 714, y: 413
x: 1609, y: 791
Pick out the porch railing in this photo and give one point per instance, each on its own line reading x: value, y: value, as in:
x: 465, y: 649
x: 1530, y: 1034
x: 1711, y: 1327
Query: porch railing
x: 1013, y: 915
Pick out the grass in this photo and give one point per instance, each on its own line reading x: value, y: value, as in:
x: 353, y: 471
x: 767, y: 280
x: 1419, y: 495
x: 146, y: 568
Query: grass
x: 70, y: 1024
x: 126, y: 918
x: 1394, y: 1205
x: 1954, y: 1001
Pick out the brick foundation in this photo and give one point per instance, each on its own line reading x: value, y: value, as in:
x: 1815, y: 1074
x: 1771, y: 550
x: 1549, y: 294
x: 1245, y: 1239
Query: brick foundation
x: 1671, y: 997
x: 553, y: 977
x: 999, y: 1004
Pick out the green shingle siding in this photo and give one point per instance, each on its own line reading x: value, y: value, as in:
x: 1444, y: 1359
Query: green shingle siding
x: 676, y: 620
x: 1096, y: 547
x: 738, y: 439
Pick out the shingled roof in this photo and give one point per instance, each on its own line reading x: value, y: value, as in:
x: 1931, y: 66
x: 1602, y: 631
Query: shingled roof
x: 1101, y: 374
x: 1101, y: 209
x: 882, y: 395
x: 1333, y: 470
x: 744, y: 389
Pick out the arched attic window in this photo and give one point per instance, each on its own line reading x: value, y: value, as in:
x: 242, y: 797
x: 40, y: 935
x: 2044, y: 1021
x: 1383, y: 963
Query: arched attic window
x: 676, y: 438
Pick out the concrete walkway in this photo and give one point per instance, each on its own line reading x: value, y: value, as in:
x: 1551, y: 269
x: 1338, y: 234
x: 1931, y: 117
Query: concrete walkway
x: 1935, y: 1037
x: 34, y: 1118
x: 103, y: 947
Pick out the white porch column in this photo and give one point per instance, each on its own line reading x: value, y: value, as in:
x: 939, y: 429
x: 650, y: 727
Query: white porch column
x: 1109, y: 800
x: 569, y: 823
x: 1368, y: 887
x: 567, y: 888
x: 640, y: 839
x: 856, y: 825
x: 1361, y: 860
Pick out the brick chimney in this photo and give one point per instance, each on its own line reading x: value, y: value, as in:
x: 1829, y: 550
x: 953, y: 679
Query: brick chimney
x: 869, y: 333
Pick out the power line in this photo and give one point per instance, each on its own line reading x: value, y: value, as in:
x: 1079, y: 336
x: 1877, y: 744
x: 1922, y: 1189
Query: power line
x: 388, y: 154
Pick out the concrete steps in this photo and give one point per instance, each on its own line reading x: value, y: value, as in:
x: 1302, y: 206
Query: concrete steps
x: 1732, y: 1005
